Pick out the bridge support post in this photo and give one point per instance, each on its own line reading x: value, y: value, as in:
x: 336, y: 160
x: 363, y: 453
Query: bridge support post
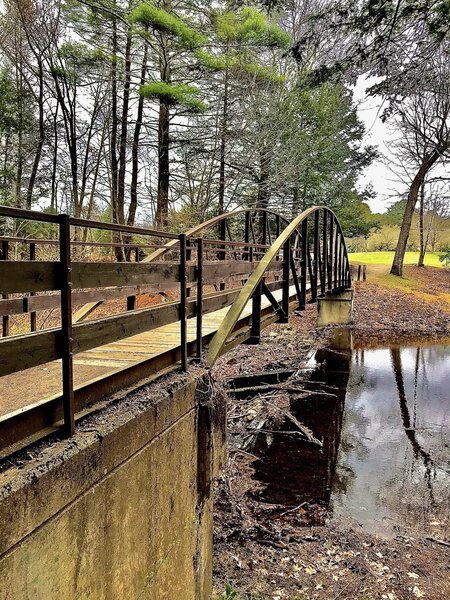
x: 255, y: 329
x: 66, y: 325
x: 199, y: 304
x: 183, y: 297
x: 5, y: 318
x: 286, y: 276
x: 335, y: 309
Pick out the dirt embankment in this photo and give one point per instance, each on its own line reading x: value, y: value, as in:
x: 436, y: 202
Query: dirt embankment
x: 387, y: 314
x: 278, y: 551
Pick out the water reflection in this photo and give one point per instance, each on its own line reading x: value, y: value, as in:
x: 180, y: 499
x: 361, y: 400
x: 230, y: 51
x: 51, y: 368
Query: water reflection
x: 294, y: 472
x: 395, y: 441
x: 384, y: 419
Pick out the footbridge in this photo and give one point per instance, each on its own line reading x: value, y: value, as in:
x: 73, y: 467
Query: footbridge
x: 218, y: 285
x: 108, y: 335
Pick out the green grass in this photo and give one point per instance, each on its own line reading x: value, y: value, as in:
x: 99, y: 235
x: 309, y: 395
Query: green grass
x: 385, y: 258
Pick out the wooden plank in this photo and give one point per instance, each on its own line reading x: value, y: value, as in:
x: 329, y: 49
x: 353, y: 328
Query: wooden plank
x: 111, y: 329
x: 11, y: 306
x: 214, y: 271
x: 91, y: 275
x: 28, y: 276
x: 24, y: 351
x: 85, y: 296
x: 104, y: 331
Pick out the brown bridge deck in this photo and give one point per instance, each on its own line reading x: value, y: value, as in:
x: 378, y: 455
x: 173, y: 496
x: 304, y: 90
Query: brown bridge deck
x: 108, y: 368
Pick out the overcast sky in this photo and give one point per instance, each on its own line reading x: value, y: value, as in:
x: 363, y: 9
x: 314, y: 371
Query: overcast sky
x: 377, y: 134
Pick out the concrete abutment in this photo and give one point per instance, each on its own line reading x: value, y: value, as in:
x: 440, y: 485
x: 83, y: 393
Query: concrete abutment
x: 124, y: 508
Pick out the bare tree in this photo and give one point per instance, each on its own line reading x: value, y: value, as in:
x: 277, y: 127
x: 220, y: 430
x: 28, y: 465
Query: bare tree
x: 424, y: 122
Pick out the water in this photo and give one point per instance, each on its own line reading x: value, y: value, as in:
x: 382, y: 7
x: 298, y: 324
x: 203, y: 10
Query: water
x: 385, y: 462
x: 394, y: 456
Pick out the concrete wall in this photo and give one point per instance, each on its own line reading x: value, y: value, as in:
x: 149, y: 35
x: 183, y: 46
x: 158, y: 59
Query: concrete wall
x: 335, y: 309
x: 120, y: 511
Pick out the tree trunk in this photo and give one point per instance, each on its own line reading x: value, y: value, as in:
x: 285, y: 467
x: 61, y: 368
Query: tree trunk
x: 421, y: 231
x: 19, y: 166
x: 162, y: 206
x: 135, y: 148
x: 37, y: 156
x: 113, y: 142
x: 53, y: 197
x: 124, y: 133
x: 399, y: 257
x: 223, y: 146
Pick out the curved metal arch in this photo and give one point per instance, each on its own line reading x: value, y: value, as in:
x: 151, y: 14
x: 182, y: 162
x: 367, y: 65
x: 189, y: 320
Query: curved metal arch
x: 206, y: 225
x: 226, y: 327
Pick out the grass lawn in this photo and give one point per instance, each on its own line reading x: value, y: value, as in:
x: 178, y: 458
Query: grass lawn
x: 385, y: 258
x: 428, y: 286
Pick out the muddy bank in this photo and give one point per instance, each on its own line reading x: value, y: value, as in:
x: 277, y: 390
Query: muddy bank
x: 273, y: 534
x: 385, y: 315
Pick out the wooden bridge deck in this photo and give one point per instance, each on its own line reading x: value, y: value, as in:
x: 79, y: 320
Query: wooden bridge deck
x: 151, y: 351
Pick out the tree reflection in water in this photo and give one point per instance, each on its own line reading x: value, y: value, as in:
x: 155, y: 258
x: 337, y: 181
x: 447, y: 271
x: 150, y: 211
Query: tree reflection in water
x: 386, y: 433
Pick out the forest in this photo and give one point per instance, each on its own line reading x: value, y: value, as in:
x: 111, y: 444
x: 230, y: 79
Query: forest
x: 168, y: 113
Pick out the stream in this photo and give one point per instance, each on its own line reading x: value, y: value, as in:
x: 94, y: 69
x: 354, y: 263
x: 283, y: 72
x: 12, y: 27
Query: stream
x: 383, y: 416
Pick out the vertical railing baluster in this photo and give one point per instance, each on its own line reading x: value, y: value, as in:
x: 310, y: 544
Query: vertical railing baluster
x: 183, y: 297
x: 188, y: 249
x: 5, y: 318
x: 247, y: 235
x: 286, y: 277
x: 316, y: 250
x: 336, y: 257
x: 323, y: 281
x: 199, y: 303
x: 66, y: 325
x: 222, y: 237
x: 277, y: 225
x: 331, y: 257
x: 131, y: 303
x: 339, y: 282
x: 264, y: 229
x: 303, y: 266
x: 295, y: 278
x: 33, y: 313
x: 255, y: 328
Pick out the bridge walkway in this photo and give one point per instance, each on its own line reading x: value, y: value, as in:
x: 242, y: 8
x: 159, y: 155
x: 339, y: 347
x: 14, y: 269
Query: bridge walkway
x: 141, y: 355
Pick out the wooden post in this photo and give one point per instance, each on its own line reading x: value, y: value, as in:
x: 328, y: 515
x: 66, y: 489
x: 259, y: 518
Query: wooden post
x: 199, y: 304
x: 33, y: 319
x: 5, y: 319
x: 183, y: 296
x: 66, y: 325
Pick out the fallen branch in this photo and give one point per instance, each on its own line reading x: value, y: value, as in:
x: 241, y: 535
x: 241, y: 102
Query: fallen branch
x: 441, y: 542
